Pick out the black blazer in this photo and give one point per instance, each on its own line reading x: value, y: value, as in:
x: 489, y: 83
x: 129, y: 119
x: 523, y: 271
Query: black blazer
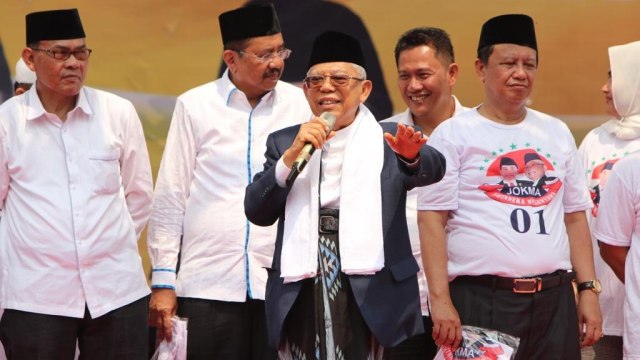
x: 389, y: 300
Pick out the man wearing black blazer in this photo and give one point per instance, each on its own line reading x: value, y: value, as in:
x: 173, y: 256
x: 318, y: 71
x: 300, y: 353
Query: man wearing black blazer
x: 343, y: 279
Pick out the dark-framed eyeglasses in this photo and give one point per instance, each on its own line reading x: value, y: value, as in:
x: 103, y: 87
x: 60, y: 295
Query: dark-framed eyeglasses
x: 268, y: 57
x: 64, y: 54
x: 336, y: 80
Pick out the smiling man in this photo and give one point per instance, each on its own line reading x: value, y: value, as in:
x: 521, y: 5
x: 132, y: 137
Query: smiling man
x: 507, y: 262
x: 427, y: 73
x: 215, y: 145
x: 343, y: 279
x: 75, y: 187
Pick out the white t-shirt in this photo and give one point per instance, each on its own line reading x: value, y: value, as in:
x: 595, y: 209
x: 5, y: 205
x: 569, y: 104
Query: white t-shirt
x: 412, y: 212
x: 599, y: 151
x: 501, y: 230
x: 619, y: 225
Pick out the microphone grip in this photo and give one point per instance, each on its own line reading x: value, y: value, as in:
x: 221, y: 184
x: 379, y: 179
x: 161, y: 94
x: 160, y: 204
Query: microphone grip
x: 304, y: 156
x: 307, y: 150
x: 293, y: 174
x: 300, y: 162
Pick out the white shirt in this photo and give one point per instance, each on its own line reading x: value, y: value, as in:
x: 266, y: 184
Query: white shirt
x: 332, y: 159
x: 76, y: 195
x: 331, y: 176
x: 216, y: 144
x: 514, y: 234
x: 412, y: 212
x: 618, y: 224
x: 598, y: 148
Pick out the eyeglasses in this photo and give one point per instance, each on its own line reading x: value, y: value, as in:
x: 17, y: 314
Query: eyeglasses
x: 336, y: 80
x: 64, y: 54
x: 266, y: 58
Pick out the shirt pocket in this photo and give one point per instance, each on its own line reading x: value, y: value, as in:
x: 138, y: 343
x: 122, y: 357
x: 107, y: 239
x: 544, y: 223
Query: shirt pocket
x: 105, y: 169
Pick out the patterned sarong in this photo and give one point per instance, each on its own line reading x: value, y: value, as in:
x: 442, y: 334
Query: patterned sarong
x: 325, y: 322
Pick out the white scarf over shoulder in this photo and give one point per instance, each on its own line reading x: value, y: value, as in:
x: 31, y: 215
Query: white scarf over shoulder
x: 360, y: 231
x: 625, y: 86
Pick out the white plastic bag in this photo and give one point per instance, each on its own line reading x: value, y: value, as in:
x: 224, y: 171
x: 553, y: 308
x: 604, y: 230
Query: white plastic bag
x: 481, y: 344
x: 177, y: 348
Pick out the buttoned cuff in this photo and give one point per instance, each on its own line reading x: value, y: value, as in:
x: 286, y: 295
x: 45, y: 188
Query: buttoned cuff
x: 282, y: 172
x: 163, y: 279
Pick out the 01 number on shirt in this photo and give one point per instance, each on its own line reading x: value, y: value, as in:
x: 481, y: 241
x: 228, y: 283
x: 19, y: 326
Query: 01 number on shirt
x: 521, y: 221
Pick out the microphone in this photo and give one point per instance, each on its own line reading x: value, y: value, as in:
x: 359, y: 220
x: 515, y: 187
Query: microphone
x: 307, y: 150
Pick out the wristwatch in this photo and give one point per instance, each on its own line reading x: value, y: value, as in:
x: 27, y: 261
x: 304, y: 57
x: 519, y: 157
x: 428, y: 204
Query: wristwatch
x: 593, y: 285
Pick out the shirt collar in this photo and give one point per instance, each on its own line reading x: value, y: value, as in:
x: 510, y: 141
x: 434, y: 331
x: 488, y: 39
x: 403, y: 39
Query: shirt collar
x: 36, y: 110
x: 458, y: 107
x: 407, y: 118
x: 233, y: 94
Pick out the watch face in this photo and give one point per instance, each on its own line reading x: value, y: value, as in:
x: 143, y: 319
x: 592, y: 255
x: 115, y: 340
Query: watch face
x: 597, y: 287
x: 593, y: 285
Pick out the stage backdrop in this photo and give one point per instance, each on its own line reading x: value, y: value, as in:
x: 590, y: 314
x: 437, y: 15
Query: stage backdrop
x: 150, y: 51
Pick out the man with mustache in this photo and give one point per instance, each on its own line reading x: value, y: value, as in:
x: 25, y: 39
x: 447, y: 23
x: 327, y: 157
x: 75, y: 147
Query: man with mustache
x: 215, y: 145
x: 343, y: 280
x: 75, y: 187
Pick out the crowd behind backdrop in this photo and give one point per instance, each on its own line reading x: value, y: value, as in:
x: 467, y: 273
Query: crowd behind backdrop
x: 150, y: 51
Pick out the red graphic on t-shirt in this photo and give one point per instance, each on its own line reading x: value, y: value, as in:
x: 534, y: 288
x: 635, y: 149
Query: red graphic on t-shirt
x: 524, y: 179
x: 599, y: 177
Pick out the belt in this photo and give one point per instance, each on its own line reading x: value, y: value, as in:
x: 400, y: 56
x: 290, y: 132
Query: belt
x: 525, y: 285
x: 328, y: 222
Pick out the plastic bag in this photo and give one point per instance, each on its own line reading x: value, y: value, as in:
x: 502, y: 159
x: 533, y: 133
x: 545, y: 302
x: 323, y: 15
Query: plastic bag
x: 176, y: 349
x: 481, y: 344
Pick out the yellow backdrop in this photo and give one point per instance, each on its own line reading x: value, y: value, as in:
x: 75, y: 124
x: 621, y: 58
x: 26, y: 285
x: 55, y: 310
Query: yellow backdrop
x: 168, y: 46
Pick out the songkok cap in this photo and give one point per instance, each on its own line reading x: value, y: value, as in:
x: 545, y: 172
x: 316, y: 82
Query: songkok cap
x: 506, y: 161
x: 532, y: 156
x: 24, y: 75
x: 333, y: 46
x: 247, y: 22
x: 54, y: 25
x: 509, y: 29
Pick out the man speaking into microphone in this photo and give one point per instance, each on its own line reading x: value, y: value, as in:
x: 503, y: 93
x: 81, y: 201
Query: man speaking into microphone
x: 343, y: 278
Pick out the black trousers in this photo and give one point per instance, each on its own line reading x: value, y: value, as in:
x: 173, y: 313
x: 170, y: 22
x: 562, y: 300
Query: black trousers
x: 546, y: 322
x: 421, y: 346
x: 225, y: 330
x: 119, y: 334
